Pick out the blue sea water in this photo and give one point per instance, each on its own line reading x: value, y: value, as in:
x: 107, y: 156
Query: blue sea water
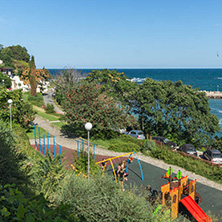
x: 204, y: 79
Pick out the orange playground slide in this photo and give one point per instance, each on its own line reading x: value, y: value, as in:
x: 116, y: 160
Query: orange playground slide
x: 195, y: 210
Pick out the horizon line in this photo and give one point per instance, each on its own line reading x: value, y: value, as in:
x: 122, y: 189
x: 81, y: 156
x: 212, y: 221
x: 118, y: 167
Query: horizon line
x: 140, y: 68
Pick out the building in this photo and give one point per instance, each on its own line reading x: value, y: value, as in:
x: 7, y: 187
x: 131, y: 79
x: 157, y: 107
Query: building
x: 6, y: 70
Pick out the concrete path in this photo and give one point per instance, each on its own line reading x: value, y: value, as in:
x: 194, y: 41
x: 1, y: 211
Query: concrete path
x: 71, y: 143
x: 49, y: 100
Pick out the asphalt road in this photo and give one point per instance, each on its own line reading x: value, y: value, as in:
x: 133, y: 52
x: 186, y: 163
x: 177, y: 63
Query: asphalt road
x: 211, y: 198
x: 48, y: 99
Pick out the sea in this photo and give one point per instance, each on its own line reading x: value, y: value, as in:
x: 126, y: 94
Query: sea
x: 203, y: 79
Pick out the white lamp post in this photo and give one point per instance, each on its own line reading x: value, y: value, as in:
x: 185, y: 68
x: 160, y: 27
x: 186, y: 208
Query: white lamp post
x: 10, y: 104
x: 3, y: 82
x: 217, y: 88
x: 88, y: 127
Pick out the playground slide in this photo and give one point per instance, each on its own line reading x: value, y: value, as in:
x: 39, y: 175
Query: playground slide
x: 195, y: 210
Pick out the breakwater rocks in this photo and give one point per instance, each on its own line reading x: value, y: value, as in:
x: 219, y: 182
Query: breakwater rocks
x: 213, y: 94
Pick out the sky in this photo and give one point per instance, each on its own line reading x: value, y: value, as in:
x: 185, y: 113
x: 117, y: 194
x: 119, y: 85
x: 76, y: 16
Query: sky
x: 115, y: 34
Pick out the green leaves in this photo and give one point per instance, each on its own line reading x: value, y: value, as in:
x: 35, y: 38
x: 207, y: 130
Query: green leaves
x: 85, y: 103
x: 174, y: 110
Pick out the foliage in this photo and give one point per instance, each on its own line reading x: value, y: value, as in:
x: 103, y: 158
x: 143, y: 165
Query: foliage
x: 166, y: 108
x: 148, y: 145
x: 6, y: 79
x: 34, y: 100
x: 67, y: 78
x: 47, y: 174
x: 84, y: 103
x: 15, y: 56
x: 81, y: 164
x: 14, y: 206
x: 113, y: 84
x: 50, y: 108
x: 32, y: 76
x: 19, y: 53
x: 217, y: 144
x: 10, y: 159
x: 122, y: 146
x: 22, y: 112
x: 41, y: 75
x: 101, y: 199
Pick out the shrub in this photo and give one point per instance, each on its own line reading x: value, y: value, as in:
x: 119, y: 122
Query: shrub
x: 148, y: 145
x: 81, y: 164
x: 14, y: 206
x: 36, y: 100
x: 123, y: 146
x: 50, y: 108
x: 10, y: 159
x: 47, y: 174
x: 101, y: 199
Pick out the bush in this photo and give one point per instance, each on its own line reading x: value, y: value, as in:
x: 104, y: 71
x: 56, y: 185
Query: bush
x: 123, y: 146
x: 10, y: 159
x: 50, y: 108
x: 14, y: 206
x: 101, y: 199
x: 81, y: 164
x: 34, y: 100
x: 148, y: 145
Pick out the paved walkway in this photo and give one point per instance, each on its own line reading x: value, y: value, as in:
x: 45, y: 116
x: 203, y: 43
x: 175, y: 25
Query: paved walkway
x: 71, y: 143
x: 49, y: 100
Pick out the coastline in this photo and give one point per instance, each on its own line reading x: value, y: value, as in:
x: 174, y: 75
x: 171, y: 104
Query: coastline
x: 213, y: 94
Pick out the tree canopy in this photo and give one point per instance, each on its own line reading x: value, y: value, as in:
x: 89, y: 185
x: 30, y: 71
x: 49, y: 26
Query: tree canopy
x: 85, y: 103
x: 174, y: 110
x: 113, y: 83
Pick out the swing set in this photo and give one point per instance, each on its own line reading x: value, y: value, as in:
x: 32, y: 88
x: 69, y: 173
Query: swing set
x: 130, y: 158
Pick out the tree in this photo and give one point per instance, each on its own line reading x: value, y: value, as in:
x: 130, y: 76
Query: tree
x: 32, y: 77
x: 41, y: 76
x: 113, y: 83
x: 66, y: 78
x: 84, y: 103
x: 22, y: 112
x: 5, y: 80
x: 174, y: 110
x: 19, y: 53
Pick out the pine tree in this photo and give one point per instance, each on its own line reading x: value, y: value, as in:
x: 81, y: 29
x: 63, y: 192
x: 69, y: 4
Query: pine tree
x: 32, y: 77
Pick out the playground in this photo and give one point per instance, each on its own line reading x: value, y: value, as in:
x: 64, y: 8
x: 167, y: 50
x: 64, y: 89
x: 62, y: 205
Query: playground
x: 142, y: 174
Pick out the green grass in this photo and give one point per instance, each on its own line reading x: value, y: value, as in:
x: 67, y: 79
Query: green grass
x: 30, y: 134
x: 102, y: 142
x: 59, y: 124
x: 48, y: 116
x: 37, y: 101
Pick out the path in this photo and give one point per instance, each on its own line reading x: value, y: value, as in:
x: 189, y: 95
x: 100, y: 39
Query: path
x: 49, y: 100
x: 72, y: 144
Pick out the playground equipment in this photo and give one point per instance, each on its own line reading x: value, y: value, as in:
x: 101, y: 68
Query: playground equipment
x: 179, y: 192
x: 129, y: 159
x: 40, y: 143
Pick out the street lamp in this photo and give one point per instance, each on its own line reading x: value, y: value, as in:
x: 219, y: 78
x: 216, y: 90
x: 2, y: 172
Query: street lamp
x: 10, y: 104
x: 88, y: 127
x: 3, y: 81
x: 217, y: 88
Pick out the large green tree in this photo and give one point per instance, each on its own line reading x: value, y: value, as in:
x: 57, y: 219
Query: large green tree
x: 85, y: 103
x: 115, y: 84
x: 174, y: 110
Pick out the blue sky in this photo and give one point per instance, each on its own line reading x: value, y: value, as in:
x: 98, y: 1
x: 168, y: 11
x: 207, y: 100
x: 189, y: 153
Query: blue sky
x: 115, y: 34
